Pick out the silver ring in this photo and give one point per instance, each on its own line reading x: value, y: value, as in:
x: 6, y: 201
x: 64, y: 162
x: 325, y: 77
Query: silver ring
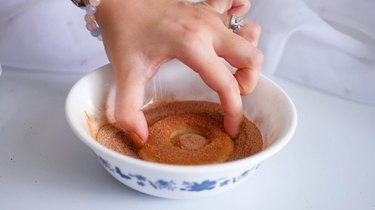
x: 235, y: 22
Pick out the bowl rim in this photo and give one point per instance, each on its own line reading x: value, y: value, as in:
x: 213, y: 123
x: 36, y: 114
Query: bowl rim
x: 189, y: 169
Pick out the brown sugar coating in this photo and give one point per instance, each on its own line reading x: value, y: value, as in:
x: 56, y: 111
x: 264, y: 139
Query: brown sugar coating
x: 169, y: 137
x: 187, y: 141
x: 117, y: 140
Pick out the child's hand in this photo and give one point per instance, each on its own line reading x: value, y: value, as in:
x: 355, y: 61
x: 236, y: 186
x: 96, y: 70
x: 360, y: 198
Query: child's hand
x: 140, y: 35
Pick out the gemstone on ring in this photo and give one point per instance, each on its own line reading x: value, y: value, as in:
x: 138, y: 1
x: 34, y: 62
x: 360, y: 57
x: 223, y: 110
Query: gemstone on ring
x: 235, y: 22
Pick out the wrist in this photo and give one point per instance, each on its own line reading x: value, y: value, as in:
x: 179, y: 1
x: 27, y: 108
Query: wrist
x: 90, y: 19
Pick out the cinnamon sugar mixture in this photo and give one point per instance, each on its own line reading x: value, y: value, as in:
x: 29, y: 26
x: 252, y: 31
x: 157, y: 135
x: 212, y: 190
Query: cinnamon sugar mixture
x: 246, y: 144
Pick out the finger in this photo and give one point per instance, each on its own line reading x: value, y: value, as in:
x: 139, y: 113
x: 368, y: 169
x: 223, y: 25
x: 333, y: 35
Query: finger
x: 247, y: 80
x: 250, y: 31
x: 239, y: 7
x: 215, y: 74
x: 130, y: 87
x: 242, y: 55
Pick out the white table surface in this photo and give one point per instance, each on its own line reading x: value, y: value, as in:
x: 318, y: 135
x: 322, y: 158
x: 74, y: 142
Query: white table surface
x: 329, y: 164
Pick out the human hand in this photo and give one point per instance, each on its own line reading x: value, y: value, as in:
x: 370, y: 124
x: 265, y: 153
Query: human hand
x: 140, y: 35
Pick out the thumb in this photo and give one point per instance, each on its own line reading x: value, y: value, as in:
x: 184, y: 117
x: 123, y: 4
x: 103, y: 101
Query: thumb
x: 239, y: 7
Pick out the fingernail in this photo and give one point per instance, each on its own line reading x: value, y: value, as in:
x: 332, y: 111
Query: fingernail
x: 232, y: 132
x: 137, y: 141
x: 237, y: 130
x: 235, y: 134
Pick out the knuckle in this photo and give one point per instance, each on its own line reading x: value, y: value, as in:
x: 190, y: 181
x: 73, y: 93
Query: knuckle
x: 245, y: 89
x: 243, y: 79
x: 246, y: 5
x: 193, y: 31
x: 189, y: 37
x: 253, y: 32
x: 259, y: 57
x: 248, y: 58
x: 188, y: 34
x: 249, y: 89
x: 247, y: 86
x: 257, y: 29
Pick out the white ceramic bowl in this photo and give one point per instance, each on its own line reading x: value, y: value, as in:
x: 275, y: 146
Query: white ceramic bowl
x: 268, y: 107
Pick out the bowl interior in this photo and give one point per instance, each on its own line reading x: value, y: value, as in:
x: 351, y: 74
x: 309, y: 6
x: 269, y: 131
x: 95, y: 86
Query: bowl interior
x: 268, y: 106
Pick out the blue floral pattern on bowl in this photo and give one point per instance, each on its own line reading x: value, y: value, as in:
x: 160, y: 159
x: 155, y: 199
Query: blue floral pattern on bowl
x: 170, y: 185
